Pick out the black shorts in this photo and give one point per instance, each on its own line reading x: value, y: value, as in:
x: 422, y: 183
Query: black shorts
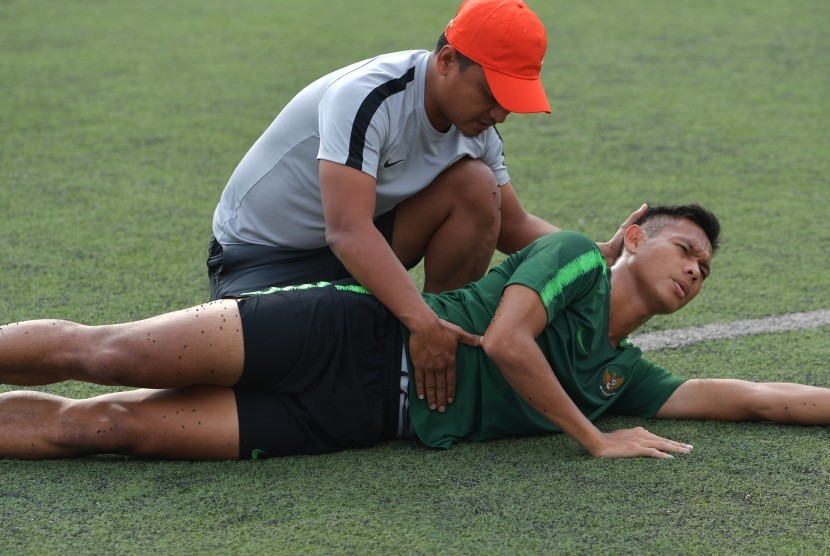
x: 237, y: 269
x: 322, y: 372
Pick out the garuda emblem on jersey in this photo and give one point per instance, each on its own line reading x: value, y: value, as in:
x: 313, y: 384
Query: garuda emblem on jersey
x: 610, y: 383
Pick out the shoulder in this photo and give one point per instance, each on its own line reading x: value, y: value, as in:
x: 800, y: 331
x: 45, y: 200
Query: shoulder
x: 565, y: 243
x: 562, y: 265
x: 391, y: 70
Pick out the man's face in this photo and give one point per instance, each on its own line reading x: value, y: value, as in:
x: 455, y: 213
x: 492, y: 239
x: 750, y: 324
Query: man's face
x: 469, y: 103
x: 673, y: 264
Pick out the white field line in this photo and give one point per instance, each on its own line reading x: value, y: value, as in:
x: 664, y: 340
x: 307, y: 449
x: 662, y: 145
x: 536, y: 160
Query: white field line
x: 681, y: 337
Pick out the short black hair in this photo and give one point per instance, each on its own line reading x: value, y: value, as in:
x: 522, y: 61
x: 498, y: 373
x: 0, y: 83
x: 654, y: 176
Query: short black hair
x: 656, y: 217
x: 463, y: 61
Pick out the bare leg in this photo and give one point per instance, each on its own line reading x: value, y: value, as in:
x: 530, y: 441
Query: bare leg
x: 453, y: 225
x: 741, y: 400
x: 200, y: 345
x: 196, y: 423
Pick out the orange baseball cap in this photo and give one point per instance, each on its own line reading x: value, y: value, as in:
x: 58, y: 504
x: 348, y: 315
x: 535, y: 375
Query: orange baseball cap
x: 508, y: 41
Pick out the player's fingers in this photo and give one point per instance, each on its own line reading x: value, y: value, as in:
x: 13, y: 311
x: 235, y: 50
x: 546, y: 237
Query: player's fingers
x: 654, y: 453
x: 616, y: 241
x: 419, y: 382
x: 443, y: 368
x: 451, y: 382
x: 445, y: 384
x: 680, y: 447
x: 472, y: 340
x: 430, y: 387
x: 635, y: 216
x: 666, y: 445
x: 652, y: 442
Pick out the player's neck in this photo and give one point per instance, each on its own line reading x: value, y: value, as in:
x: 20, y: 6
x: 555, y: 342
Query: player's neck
x: 628, y: 309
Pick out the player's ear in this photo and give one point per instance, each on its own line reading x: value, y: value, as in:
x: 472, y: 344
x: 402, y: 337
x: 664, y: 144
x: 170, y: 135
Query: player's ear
x: 633, y: 237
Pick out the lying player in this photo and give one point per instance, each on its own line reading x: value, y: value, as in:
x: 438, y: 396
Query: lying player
x: 323, y: 367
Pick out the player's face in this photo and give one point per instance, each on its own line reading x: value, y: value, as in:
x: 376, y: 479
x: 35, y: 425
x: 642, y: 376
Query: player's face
x: 674, y: 263
x: 470, y: 104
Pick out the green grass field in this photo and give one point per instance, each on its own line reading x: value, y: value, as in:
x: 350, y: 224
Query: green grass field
x: 121, y: 123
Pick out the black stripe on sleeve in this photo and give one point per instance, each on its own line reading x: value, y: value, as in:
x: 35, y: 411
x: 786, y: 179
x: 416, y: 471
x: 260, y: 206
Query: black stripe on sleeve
x: 366, y: 112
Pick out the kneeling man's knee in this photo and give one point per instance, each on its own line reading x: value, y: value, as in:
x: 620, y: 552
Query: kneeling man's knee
x: 474, y: 190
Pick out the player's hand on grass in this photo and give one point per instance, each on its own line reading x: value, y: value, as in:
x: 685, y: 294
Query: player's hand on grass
x: 433, y: 360
x: 611, y: 248
x: 637, y: 442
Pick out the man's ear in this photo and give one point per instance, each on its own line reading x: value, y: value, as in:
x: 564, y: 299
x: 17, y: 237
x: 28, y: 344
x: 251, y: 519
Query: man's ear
x: 633, y: 237
x: 445, y: 59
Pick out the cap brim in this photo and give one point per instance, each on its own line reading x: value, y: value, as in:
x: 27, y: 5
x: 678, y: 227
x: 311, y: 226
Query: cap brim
x: 523, y: 96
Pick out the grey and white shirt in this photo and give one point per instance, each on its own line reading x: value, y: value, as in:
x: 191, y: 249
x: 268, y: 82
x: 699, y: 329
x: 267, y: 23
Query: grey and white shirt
x: 369, y: 116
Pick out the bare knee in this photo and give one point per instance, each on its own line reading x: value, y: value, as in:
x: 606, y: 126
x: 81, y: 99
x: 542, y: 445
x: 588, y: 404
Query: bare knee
x: 96, y: 355
x: 66, y: 349
x: 93, y: 427
x: 475, y: 192
x: 459, y: 213
x: 759, y: 401
x: 755, y: 404
x: 470, y: 193
x: 467, y: 189
x: 74, y: 351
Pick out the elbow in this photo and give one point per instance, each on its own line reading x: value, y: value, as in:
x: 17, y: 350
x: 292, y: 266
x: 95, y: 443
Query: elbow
x: 336, y: 236
x: 332, y: 239
x: 490, y: 344
x: 501, y: 348
x: 342, y: 230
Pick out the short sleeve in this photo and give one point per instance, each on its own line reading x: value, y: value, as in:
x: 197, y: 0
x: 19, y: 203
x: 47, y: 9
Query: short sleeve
x: 561, y: 267
x: 493, y: 156
x: 351, y: 131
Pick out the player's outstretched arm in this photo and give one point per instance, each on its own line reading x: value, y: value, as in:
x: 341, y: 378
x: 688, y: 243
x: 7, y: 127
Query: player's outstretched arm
x: 200, y: 345
x: 741, y: 400
x: 510, y: 342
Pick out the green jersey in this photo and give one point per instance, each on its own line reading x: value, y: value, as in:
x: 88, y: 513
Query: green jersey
x: 573, y: 282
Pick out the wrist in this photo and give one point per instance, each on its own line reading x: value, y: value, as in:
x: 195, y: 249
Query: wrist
x: 594, y: 444
x: 590, y: 438
x: 419, y: 321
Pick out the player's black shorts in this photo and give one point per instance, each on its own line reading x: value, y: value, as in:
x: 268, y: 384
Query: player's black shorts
x: 321, y: 374
x: 237, y: 269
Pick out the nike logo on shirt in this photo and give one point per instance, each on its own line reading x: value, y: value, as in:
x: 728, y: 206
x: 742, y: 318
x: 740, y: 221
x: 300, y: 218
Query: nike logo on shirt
x: 388, y: 164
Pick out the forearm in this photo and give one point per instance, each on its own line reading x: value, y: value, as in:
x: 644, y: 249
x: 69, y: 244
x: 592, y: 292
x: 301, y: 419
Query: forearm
x: 370, y: 260
x: 524, y: 366
x: 519, y: 233
x: 510, y: 341
x: 519, y: 228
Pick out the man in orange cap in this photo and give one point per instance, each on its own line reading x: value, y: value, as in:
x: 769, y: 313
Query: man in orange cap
x: 387, y: 161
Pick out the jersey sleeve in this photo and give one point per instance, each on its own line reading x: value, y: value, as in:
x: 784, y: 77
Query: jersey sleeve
x: 352, y: 129
x: 562, y: 268
x: 493, y: 156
